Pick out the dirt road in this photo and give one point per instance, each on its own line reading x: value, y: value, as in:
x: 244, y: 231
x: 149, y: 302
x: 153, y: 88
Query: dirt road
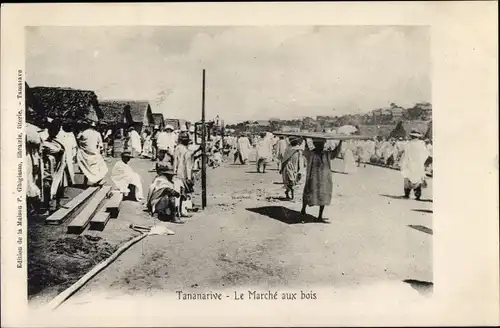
x: 248, y: 236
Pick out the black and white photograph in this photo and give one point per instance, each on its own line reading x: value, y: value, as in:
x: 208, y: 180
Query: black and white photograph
x: 259, y: 157
x: 249, y: 164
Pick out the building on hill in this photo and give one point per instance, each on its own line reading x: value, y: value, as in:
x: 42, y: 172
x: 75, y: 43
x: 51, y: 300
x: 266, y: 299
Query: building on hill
x: 68, y: 104
x: 290, y: 128
x: 397, y: 113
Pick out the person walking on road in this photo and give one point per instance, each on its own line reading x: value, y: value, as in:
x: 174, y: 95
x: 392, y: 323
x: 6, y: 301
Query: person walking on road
x: 281, y: 147
x: 264, y: 151
x: 319, y: 185
x: 413, y: 165
x: 292, y: 164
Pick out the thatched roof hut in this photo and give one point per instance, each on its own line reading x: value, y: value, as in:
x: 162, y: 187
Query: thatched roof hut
x: 114, y: 112
x: 67, y: 103
x: 158, y: 120
x: 139, y: 112
x: 35, y: 112
x: 420, y: 126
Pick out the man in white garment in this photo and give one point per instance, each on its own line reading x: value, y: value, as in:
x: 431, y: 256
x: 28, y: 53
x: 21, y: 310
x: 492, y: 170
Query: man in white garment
x: 413, y: 165
x: 67, y: 138
x: 281, y: 147
x: 244, y: 148
x: 166, y: 143
x: 135, y: 142
x: 89, y: 157
x: 126, y: 180
x: 264, y: 151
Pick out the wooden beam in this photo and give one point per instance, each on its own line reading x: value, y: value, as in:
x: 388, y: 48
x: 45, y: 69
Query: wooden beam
x: 65, y: 211
x: 82, y: 220
x: 112, y: 206
x: 99, y: 221
x: 203, y: 147
x: 322, y: 135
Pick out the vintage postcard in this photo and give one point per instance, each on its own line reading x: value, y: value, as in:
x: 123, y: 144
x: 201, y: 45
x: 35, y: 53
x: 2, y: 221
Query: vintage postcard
x: 287, y: 164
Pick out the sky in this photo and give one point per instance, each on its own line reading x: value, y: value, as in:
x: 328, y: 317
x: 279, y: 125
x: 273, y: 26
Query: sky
x: 251, y: 72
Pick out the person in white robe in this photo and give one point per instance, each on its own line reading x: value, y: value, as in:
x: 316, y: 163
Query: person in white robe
x: 349, y: 159
x: 166, y: 142
x: 293, y: 166
x: 244, y: 148
x: 183, y: 169
x: 413, y: 165
x: 56, y: 175
x: 89, y: 157
x: 135, y: 142
x: 67, y: 138
x: 147, y: 148
x: 264, y: 152
x: 281, y: 147
x: 126, y: 180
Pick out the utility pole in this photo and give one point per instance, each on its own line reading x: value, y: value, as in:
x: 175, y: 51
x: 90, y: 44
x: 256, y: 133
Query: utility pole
x: 203, y: 147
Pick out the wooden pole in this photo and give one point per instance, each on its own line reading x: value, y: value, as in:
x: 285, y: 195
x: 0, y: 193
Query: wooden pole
x: 203, y: 147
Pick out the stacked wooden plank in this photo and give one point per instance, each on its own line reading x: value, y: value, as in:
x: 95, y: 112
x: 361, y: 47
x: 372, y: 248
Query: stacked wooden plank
x: 99, y: 221
x: 112, y: 206
x: 65, y: 211
x: 81, y: 221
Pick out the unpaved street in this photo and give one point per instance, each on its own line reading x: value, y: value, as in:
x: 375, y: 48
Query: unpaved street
x: 248, y: 235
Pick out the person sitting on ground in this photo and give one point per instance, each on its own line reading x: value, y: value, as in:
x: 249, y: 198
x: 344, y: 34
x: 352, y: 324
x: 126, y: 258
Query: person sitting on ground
x: 126, y: 180
x: 163, y: 198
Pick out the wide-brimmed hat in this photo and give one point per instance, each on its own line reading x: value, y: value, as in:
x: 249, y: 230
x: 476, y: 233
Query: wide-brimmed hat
x: 127, y: 153
x: 415, y: 133
x: 169, y: 127
x: 165, y: 169
x: 183, y: 136
x: 294, y: 139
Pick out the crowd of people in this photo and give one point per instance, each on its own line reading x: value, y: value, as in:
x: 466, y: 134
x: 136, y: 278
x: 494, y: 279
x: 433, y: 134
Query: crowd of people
x: 54, y: 149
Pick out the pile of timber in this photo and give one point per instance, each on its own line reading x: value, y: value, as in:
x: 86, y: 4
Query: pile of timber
x: 98, y: 204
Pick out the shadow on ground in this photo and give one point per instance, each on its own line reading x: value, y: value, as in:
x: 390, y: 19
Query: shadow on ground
x: 284, y: 214
x: 339, y: 172
x: 422, y: 287
x: 421, y: 229
x: 422, y: 210
x: 402, y: 197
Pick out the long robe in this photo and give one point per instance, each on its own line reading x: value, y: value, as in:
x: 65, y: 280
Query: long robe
x: 413, y: 160
x: 281, y: 147
x: 349, y: 159
x: 147, y: 149
x: 122, y: 176
x: 319, y: 185
x: 34, y: 163
x: 292, y: 165
x: 89, y: 156
x: 56, y: 175
x: 244, y: 147
x: 183, y: 166
x: 135, y: 143
x: 265, y: 149
x: 69, y: 141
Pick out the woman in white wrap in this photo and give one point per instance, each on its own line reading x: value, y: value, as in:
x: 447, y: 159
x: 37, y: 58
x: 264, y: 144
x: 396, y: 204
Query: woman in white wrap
x: 126, y: 180
x: 349, y: 160
x: 243, y: 147
x: 413, y: 165
x: 264, y: 151
x: 135, y: 142
x: 89, y: 156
